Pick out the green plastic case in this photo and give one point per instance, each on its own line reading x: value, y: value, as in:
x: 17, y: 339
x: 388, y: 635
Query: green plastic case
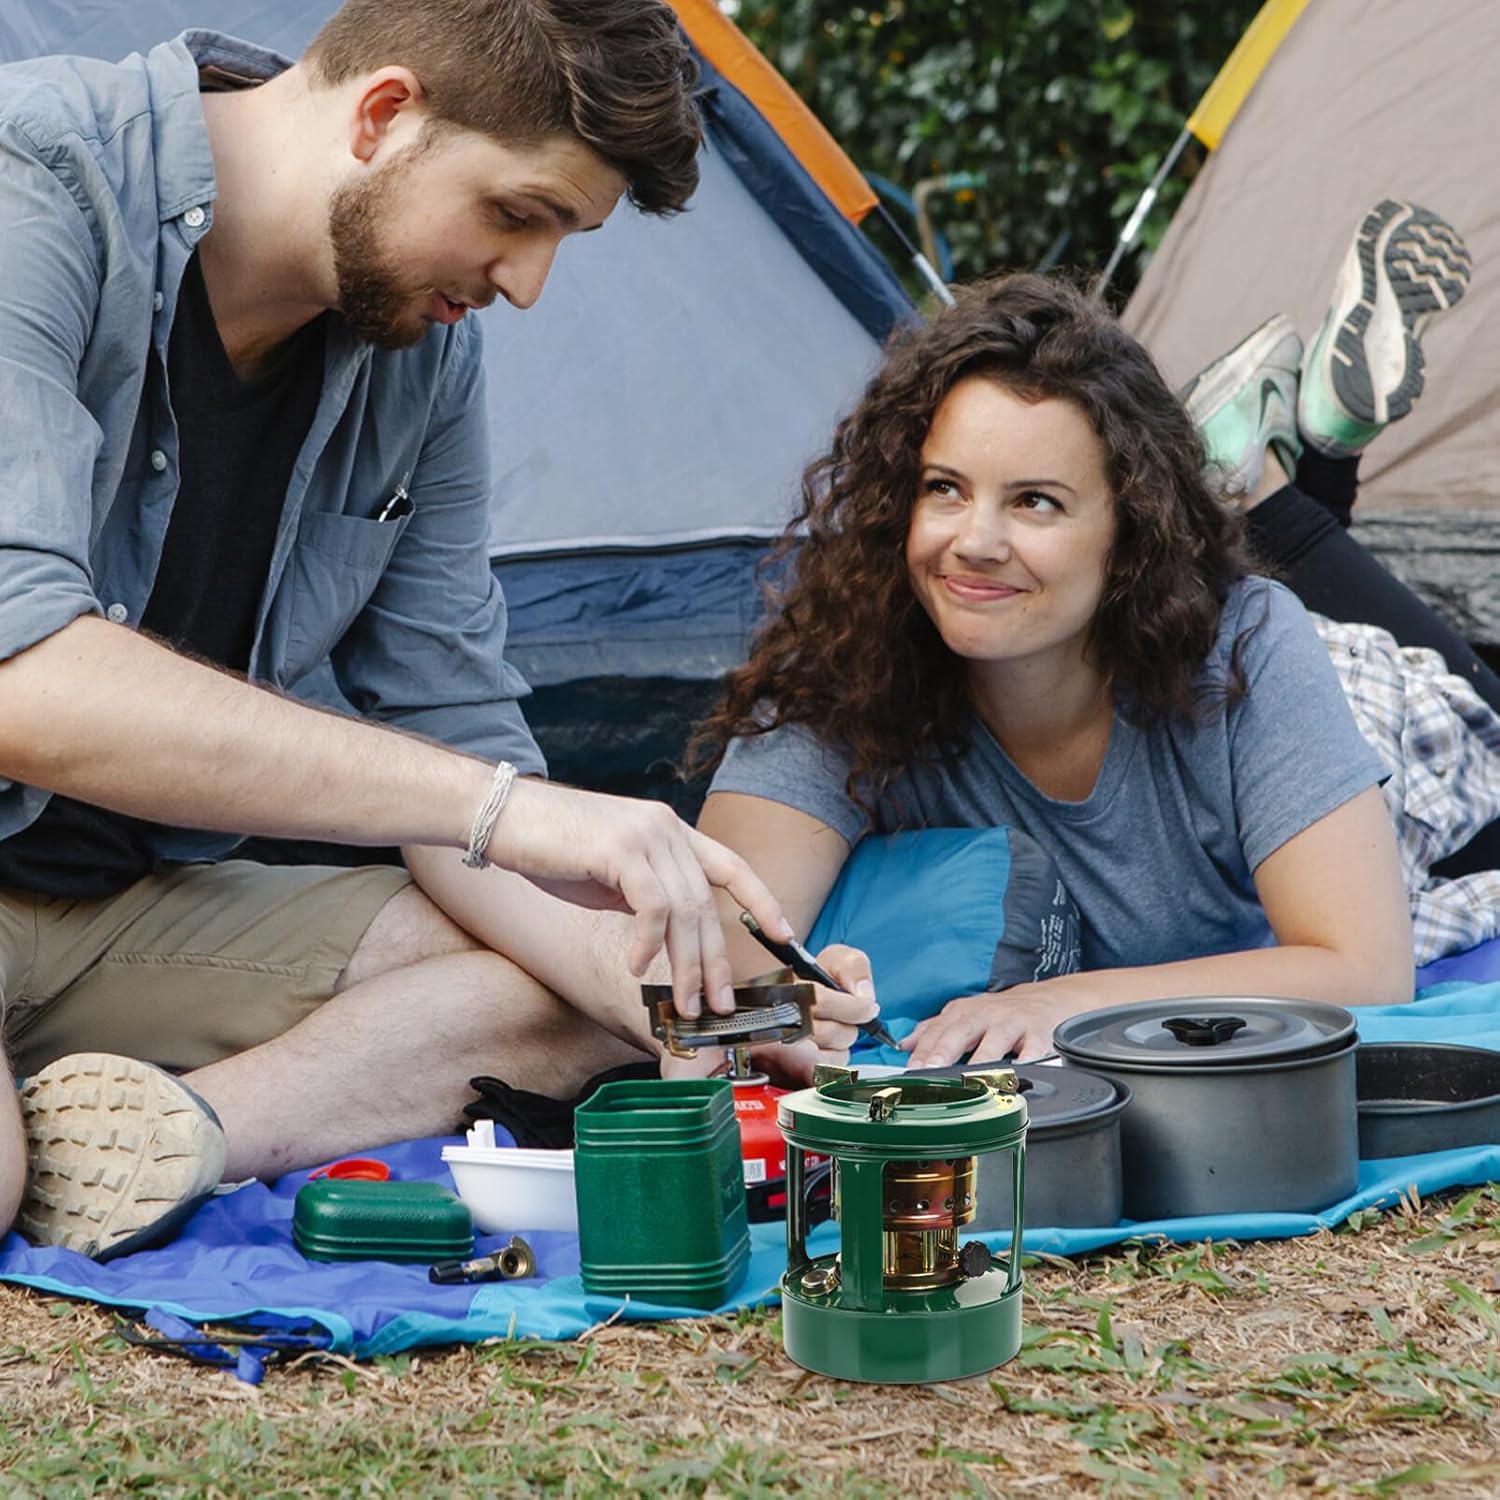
x: 661, y: 1192
x: 401, y: 1221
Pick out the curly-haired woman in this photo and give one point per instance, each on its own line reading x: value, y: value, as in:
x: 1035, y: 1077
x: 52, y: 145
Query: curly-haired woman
x: 1014, y: 599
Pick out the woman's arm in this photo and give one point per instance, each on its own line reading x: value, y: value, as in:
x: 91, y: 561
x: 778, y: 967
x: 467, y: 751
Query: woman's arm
x: 1334, y: 898
x: 799, y: 858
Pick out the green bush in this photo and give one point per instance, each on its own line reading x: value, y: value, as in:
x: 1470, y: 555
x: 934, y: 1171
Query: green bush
x: 1062, y: 108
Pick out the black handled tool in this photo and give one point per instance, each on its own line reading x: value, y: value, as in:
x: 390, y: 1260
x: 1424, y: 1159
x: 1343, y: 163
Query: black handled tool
x: 805, y: 966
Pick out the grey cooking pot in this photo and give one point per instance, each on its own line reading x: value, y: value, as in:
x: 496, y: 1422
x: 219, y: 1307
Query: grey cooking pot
x: 1241, y: 1104
x: 1072, y: 1151
x: 1426, y: 1096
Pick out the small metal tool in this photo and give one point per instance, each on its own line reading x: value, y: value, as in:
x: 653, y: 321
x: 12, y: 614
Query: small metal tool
x: 512, y: 1263
x: 805, y: 966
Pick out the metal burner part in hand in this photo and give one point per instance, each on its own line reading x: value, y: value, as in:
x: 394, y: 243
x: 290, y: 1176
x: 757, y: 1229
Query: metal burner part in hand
x: 774, y: 1007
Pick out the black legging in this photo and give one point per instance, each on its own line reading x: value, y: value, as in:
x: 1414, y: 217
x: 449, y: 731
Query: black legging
x: 1304, y: 544
x: 1331, y: 573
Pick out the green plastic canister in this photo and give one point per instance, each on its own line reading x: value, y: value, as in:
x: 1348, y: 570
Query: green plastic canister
x: 661, y: 1191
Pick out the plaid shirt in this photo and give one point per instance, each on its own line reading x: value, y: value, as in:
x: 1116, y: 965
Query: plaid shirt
x: 1441, y: 743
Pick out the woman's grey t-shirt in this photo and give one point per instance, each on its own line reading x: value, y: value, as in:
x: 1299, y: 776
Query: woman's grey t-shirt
x: 1159, y: 856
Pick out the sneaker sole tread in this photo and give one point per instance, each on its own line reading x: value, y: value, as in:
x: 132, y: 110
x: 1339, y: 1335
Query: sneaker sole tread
x: 1426, y: 267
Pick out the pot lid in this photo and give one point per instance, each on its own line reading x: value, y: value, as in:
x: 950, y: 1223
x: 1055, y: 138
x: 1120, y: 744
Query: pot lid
x: 1054, y: 1096
x: 1227, y: 1031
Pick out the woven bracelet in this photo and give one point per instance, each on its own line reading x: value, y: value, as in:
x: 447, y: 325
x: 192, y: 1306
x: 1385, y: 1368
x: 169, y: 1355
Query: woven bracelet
x: 488, y: 815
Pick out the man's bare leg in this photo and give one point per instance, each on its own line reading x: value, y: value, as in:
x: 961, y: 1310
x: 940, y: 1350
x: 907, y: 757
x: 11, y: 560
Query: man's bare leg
x: 391, y: 1059
x: 12, y: 1149
x: 420, y: 1010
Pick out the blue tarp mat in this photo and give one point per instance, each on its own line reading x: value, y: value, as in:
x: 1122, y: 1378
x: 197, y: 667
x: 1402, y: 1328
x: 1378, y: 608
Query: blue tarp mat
x: 235, y: 1259
x: 1479, y: 965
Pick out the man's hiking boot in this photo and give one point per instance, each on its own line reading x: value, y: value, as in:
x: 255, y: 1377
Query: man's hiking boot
x: 1364, y: 366
x: 119, y: 1154
x: 1246, y: 401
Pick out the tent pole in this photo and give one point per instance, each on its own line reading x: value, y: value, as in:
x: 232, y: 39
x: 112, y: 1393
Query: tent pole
x: 924, y: 268
x: 1215, y: 111
x: 1144, y: 205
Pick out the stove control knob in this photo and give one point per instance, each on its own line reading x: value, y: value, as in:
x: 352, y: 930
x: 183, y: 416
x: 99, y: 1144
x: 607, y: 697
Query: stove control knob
x: 975, y: 1258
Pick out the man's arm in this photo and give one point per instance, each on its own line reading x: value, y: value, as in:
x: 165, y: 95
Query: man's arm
x: 102, y: 714
x: 582, y: 956
x: 106, y: 716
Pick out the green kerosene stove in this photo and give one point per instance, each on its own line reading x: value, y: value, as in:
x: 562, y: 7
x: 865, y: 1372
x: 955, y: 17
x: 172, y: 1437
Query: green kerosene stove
x: 902, y: 1299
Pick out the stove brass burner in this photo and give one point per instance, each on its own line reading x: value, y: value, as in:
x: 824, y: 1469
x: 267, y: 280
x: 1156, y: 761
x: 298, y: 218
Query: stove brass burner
x: 926, y: 1203
x: 775, y: 1007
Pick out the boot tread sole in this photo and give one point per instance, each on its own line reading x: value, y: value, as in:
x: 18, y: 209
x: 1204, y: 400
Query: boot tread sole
x: 116, y: 1147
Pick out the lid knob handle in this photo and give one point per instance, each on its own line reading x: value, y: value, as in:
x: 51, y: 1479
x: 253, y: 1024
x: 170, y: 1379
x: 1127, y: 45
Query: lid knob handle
x: 1204, y: 1031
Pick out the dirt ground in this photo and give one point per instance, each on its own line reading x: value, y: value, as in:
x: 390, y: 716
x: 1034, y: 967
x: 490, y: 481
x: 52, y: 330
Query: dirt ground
x: 1362, y: 1361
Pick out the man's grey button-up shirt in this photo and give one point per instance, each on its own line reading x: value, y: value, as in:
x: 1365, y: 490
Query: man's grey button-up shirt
x: 105, y: 171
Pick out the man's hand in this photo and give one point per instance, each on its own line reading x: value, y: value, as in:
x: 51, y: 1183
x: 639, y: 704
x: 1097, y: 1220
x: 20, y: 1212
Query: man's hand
x: 618, y: 854
x: 836, y: 1019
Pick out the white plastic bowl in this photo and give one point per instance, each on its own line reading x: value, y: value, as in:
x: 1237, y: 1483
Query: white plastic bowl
x: 510, y: 1190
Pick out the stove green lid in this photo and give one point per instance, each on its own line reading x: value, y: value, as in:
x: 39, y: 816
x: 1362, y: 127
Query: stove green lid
x: 898, y: 1117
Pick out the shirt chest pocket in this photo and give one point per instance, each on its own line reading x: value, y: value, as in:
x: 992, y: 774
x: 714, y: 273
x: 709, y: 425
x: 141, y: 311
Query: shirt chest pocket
x: 335, y: 565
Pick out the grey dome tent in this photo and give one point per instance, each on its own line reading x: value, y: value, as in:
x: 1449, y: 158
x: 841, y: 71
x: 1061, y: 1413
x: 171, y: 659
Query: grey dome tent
x: 649, y: 417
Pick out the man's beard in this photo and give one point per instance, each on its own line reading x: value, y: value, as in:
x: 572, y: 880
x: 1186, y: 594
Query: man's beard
x: 375, y: 302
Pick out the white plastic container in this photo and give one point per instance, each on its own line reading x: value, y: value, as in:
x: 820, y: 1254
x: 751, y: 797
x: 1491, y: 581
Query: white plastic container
x: 511, y: 1189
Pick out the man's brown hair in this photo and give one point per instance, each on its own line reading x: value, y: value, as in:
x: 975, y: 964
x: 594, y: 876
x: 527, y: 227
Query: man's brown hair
x: 616, y: 74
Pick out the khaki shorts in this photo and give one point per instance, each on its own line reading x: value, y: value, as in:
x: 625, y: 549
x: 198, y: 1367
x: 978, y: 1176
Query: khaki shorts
x: 184, y: 968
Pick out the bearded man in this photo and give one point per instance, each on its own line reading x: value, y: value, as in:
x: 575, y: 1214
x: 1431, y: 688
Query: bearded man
x: 242, y: 409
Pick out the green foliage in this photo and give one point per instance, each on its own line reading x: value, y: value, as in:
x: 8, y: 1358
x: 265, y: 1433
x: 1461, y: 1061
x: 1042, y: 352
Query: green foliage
x: 1062, y: 109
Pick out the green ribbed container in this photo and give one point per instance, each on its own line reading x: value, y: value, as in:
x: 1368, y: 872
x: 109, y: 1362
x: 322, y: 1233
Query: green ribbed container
x: 661, y: 1191
x: 400, y: 1221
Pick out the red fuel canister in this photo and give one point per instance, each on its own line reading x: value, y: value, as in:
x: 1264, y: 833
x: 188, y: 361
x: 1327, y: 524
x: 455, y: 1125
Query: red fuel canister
x: 762, y: 1147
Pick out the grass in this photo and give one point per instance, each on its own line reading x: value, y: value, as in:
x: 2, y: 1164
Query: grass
x: 1361, y: 1362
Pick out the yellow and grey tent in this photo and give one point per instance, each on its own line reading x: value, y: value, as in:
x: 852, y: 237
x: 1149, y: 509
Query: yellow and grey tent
x: 1360, y: 100
x: 1212, y: 117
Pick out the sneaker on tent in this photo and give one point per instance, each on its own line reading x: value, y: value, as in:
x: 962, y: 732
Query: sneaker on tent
x: 1246, y: 401
x: 119, y: 1153
x: 1364, y: 366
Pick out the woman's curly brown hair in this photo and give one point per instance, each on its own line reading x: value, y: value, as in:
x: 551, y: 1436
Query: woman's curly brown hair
x: 849, y: 651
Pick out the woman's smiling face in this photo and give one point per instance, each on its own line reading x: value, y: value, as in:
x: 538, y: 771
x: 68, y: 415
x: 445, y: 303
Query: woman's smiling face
x: 1011, y: 532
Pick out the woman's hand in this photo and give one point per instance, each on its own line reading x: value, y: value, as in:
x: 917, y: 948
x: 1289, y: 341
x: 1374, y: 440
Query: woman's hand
x: 837, y: 1017
x: 986, y: 1028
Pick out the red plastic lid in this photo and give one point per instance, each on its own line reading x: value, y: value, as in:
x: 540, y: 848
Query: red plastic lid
x: 353, y: 1169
